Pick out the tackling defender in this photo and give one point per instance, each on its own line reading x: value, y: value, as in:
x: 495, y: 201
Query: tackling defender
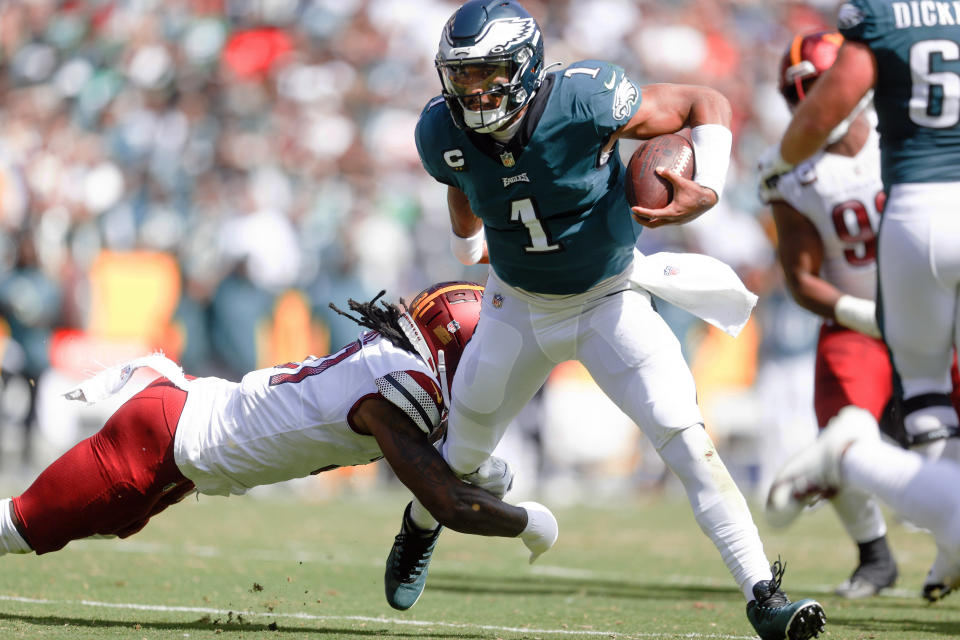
x: 827, y: 211
x: 535, y: 185
x: 909, y: 55
x: 382, y: 396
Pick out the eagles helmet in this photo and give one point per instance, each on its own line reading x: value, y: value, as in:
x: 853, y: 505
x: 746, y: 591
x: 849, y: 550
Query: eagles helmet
x: 490, y: 63
x: 439, y: 323
x: 805, y: 60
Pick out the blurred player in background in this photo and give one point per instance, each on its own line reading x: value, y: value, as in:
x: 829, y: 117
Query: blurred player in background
x: 536, y: 186
x: 849, y: 454
x: 910, y: 58
x: 382, y: 396
x: 827, y: 212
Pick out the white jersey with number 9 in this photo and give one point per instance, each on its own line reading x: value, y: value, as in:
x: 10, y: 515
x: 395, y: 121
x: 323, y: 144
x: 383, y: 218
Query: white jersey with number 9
x: 843, y: 197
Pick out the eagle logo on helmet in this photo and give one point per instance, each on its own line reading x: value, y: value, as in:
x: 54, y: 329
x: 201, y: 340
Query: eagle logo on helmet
x: 508, y: 33
x: 503, y: 39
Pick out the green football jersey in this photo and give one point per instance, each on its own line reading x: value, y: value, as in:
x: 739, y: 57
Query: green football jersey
x: 552, y: 202
x: 917, y: 93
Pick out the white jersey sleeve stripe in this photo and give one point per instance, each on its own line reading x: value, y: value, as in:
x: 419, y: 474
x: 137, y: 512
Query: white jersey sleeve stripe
x: 402, y: 390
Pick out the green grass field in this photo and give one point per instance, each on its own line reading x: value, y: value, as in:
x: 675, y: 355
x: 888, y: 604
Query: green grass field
x: 247, y: 567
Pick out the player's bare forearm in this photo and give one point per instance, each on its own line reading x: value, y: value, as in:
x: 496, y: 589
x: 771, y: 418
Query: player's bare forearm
x: 666, y: 108
x: 800, y: 250
x: 813, y: 293
x: 835, y: 94
x: 454, y: 503
x: 462, y: 219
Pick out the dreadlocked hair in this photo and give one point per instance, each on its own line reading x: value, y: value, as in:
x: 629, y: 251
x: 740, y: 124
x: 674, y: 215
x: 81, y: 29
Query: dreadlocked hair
x: 381, y: 318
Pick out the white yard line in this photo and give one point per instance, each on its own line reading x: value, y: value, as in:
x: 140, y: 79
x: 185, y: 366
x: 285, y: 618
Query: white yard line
x: 386, y: 621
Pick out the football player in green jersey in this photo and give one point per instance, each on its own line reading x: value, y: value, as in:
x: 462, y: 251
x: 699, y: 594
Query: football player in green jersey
x: 535, y: 186
x: 907, y: 56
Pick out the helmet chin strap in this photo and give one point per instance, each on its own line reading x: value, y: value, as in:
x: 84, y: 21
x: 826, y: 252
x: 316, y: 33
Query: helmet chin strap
x: 442, y: 370
x: 841, y: 129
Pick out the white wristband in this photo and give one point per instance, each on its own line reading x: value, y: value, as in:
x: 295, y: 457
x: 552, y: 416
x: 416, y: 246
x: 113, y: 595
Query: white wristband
x: 858, y: 314
x: 468, y: 250
x: 711, y: 150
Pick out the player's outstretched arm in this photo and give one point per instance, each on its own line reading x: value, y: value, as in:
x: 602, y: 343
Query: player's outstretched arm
x: 800, y: 251
x: 833, y: 97
x: 454, y: 503
x: 667, y: 108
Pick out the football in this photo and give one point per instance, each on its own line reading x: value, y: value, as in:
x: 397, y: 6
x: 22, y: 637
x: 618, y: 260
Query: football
x: 644, y: 188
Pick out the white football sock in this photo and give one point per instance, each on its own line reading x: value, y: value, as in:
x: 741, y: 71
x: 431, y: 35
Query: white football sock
x: 10, y: 539
x: 922, y: 491
x: 860, y: 514
x: 719, y: 507
x: 421, y: 517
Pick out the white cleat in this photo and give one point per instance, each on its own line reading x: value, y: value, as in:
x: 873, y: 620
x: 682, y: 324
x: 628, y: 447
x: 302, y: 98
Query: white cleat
x: 814, y: 472
x: 943, y: 577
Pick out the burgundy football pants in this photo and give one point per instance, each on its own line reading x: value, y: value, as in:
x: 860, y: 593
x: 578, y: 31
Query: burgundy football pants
x: 852, y: 368
x: 113, y: 482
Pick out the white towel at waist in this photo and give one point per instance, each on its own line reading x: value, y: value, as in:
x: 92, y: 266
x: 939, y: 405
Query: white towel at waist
x: 704, y: 286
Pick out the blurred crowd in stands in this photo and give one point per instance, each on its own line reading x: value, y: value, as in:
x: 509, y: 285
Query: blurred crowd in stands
x: 205, y: 176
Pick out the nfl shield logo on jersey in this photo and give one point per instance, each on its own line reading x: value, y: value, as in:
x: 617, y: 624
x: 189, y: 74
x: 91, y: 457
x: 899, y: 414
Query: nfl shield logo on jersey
x: 507, y: 159
x: 497, y: 300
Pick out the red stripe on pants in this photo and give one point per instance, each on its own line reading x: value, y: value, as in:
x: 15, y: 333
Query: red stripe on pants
x: 113, y: 482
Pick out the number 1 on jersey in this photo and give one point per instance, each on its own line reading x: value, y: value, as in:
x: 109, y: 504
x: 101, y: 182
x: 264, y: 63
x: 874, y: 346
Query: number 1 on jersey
x: 525, y: 212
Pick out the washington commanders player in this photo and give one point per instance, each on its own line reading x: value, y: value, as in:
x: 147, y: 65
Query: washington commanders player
x: 827, y: 211
x: 382, y: 396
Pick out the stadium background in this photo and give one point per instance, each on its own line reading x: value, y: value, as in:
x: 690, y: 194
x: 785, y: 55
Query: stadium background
x: 203, y: 177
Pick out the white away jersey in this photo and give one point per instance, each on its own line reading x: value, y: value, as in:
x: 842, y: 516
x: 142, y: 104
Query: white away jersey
x: 843, y: 198
x: 294, y: 419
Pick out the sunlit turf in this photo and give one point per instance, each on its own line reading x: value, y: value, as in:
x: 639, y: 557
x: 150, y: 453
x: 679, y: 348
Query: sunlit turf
x: 248, y: 567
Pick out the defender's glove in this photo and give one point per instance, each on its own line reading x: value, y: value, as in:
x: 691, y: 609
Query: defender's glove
x: 541, y: 531
x: 494, y: 475
x: 771, y: 167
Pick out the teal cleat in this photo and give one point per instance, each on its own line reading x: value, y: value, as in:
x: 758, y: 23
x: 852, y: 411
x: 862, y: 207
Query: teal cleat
x: 407, y: 564
x: 776, y: 618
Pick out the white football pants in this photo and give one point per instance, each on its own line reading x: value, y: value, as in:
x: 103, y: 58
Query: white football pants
x: 919, y: 274
x: 921, y: 490
x: 635, y: 358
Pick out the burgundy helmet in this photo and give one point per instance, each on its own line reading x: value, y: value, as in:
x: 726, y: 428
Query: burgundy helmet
x: 808, y: 56
x: 445, y: 316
